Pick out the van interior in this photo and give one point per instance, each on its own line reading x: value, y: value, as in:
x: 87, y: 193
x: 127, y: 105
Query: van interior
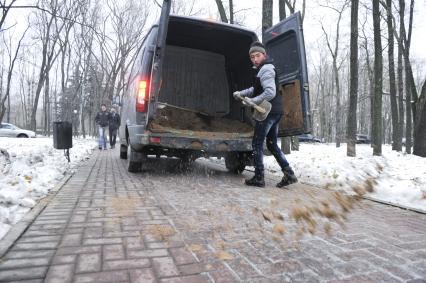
x: 205, y: 62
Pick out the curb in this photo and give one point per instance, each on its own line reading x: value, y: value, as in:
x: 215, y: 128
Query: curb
x: 19, y: 228
x: 401, y: 206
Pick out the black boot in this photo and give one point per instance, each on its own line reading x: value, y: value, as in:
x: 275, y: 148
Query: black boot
x: 258, y: 180
x: 288, y: 178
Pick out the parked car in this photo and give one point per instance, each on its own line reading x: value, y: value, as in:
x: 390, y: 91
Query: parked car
x: 12, y: 131
x: 179, y: 102
x: 360, y: 138
x: 308, y: 138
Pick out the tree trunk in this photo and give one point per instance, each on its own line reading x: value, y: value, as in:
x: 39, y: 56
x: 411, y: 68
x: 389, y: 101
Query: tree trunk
x: 222, y: 12
x: 266, y: 16
x: 392, y: 83
x: 411, y: 92
x: 378, y: 81
x: 353, y: 87
x: 338, y: 112
x: 231, y: 11
x: 281, y: 9
x: 420, y: 124
x: 46, y: 103
x: 398, y: 144
x: 8, y: 109
x: 408, y: 127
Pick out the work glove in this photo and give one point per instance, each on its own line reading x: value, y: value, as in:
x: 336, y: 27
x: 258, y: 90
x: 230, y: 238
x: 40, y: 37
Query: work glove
x: 246, y: 101
x: 237, y: 95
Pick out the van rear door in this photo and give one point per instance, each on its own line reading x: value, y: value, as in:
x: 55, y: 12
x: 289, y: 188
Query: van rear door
x: 157, y: 62
x: 285, y: 45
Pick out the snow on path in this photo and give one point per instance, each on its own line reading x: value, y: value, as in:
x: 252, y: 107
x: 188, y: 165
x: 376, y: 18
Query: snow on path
x: 33, y: 168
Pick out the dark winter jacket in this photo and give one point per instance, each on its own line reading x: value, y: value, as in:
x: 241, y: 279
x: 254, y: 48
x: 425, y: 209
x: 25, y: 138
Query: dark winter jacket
x: 266, y: 87
x: 102, y: 118
x: 114, y: 121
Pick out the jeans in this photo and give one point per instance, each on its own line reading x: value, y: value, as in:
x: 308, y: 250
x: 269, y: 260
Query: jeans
x: 112, y: 136
x: 268, y: 129
x: 102, y: 137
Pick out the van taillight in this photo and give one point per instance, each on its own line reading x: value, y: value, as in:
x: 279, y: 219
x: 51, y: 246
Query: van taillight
x: 142, y: 98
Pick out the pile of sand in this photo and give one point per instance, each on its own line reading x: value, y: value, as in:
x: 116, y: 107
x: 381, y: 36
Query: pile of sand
x: 178, y: 119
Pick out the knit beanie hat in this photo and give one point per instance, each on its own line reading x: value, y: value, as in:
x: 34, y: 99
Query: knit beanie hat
x: 257, y: 47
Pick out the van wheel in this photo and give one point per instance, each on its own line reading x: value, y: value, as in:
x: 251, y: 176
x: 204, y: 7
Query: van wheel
x: 123, y: 151
x: 234, y: 163
x: 135, y: 161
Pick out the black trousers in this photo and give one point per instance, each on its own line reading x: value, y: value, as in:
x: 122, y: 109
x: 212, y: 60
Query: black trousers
x: 112, y: 136
x: 267, y: 129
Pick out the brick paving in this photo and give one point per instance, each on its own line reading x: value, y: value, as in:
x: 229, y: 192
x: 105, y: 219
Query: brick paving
x: 169, y: 224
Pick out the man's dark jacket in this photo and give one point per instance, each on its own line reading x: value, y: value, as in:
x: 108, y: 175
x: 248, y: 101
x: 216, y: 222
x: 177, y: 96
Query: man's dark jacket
x: 102, y: 118
x: 114, y: 121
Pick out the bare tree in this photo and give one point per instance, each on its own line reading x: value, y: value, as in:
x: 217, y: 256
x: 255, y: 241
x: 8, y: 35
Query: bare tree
x: 410, y: 89
x: 50, y: 29
x: 369, y: 75
x: 185, y: 7
x: 353, y: 88
x: 396, y: 139
x: 378, y: 81
x: 5, y: 10
x: 335, y: 55
x: 13, y: 55
x: 292, y: 6
x: 400, y: 90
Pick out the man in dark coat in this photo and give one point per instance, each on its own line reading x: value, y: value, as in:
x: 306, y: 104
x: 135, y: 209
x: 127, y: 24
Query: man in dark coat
x: 265, y: 87
x: 102, y: 119
x: 114, y: 124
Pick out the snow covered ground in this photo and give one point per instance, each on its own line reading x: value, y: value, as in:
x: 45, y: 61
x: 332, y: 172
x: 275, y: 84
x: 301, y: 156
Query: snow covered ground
x: 32, y: 169
x: 401, y: 178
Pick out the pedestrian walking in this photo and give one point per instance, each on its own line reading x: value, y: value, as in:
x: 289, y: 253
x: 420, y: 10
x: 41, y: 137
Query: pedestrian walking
x: 102, y: 119
x: 114, y: 124
x: 265, y: 87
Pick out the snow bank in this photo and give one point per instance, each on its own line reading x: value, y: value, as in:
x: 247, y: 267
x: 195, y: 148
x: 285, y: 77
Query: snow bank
x: 401, y: 178
x: 29, y: 169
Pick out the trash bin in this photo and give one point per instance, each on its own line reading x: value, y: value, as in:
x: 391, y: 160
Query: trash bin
x: 62, y: 135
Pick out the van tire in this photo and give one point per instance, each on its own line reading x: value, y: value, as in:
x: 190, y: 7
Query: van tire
x: 234, y: 163
x: 135, y: 161
x: 123, y: 151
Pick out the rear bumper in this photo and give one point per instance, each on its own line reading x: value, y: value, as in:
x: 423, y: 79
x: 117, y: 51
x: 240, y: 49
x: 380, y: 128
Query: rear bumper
x: 212, y: 143
x: 195, y: 143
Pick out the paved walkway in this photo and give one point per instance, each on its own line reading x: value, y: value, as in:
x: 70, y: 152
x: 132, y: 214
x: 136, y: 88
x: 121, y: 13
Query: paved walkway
x: 203, y: 225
